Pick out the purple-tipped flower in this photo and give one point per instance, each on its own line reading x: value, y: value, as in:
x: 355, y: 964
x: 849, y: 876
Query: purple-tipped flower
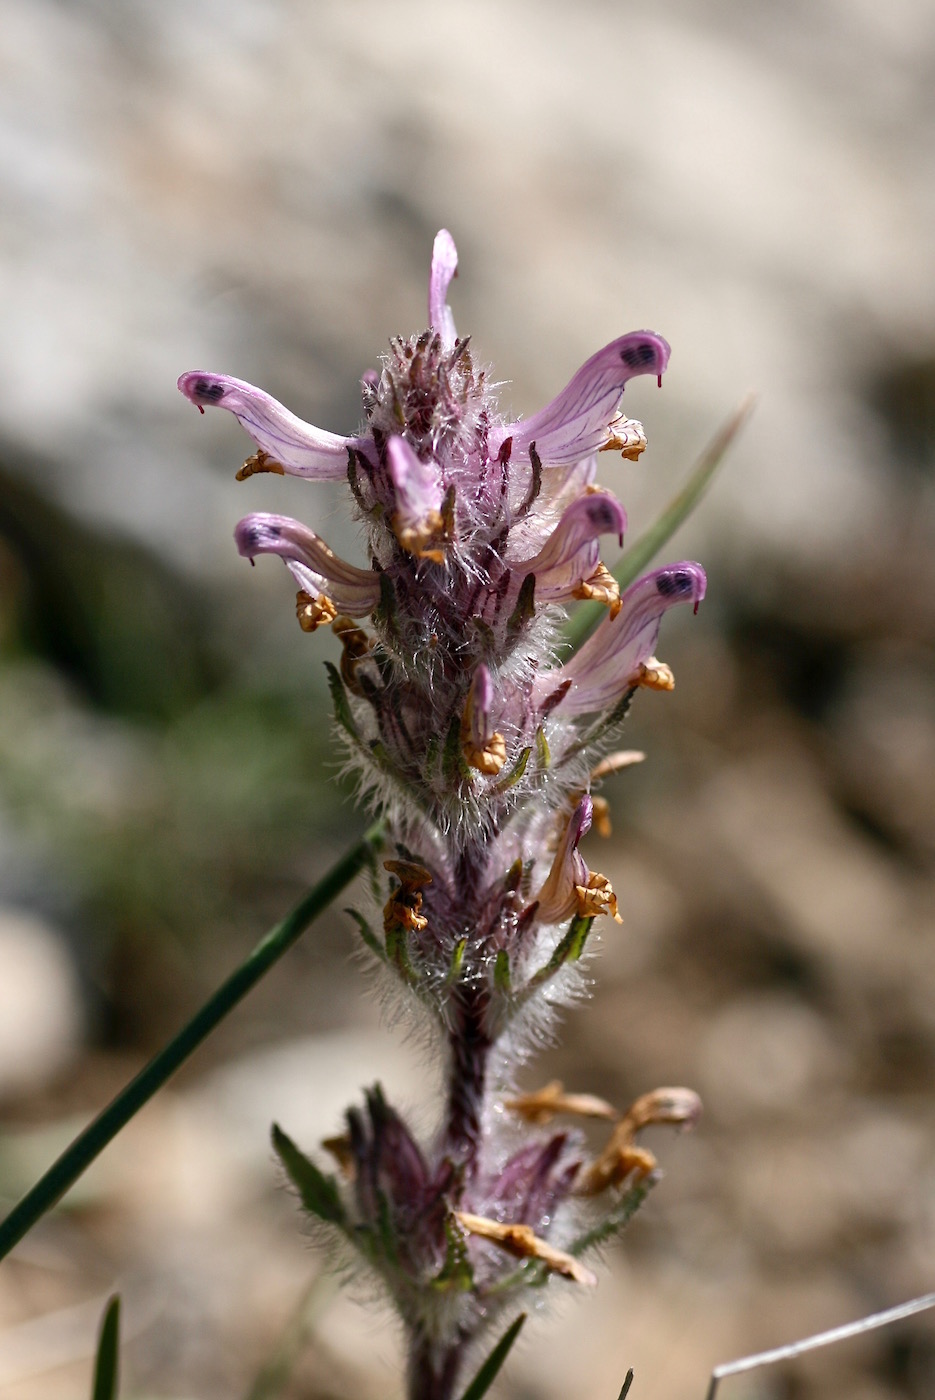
x: 476, y: 744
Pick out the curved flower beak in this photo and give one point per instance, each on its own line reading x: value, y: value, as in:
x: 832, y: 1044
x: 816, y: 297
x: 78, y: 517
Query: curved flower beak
x: 609, y: 662
x: 579, y: 420
x: 444, y: 268
x: 570, y: 557
x: 315, y: 568
x: 286, y: 443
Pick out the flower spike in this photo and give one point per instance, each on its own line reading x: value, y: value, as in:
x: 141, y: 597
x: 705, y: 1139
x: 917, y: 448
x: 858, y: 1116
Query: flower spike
x: 578, y: 422
x: 285, y: 441
x: 475, y: 747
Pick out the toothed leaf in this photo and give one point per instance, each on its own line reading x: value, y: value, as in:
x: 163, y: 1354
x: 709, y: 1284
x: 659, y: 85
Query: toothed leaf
x: 319, y: 1193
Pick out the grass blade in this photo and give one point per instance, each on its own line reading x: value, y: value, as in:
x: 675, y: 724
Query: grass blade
x: 64, y: 1172
x: 488, y: 1372
x: 641, y: 554
x: 106, y: 1363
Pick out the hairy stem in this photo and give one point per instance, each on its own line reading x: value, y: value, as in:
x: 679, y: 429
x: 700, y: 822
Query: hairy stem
x: 433, y: 1371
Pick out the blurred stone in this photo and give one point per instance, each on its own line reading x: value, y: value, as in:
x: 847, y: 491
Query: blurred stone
x: 305, y: 1086
x: 41, y: 1011
x: 767, y: 1054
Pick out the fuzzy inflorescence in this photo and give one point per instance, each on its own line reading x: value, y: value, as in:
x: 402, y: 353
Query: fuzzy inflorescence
x: 480, y: 748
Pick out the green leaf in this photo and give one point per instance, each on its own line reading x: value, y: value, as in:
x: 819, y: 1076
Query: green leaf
x: 641, y: 554
x: 386, y: 612
x: 488, y: 1372
x: 456, y: 1273
x: 628, y: 1381
x: 388, y: 1242
x: 397, y: 951
x: 367, y: 934
x: 455, y: 766
x: 457, y: 959
x: 319, y: 1193
x: 342, y: 708
x: 525, y: 609
x: 542, y: 749
x: 107, y: 1361
x: 501, y: 972
x: 569, y: 949
x: 515, y: 773
x: 618, y: 1217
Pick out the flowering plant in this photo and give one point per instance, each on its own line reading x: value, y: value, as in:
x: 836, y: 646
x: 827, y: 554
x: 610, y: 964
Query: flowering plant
x: 480, y: 748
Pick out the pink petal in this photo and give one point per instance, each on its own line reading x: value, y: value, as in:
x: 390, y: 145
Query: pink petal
x: 557, y: 898
x: 355, y: 591
x: 570, y: 554
x: 418, y: 485
x: 575, y: 423
x: 444, y: 268
x: 300, y: 448
x: 604, y: 668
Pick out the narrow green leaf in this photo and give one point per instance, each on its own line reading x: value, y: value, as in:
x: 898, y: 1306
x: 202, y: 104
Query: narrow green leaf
x: 456, y: 1274
x: 319, y: 1193
x: 515, y: 773
x: 525, y: 609
x: 542, y: 749
x: 618, y: 1218
x: 342, y: 707
x: 569, y: 949
x: 388, y: 1242
x: 457, y: 959
x: 514, y: 875
x: 397, y: 951
x: 367, y: 934
x: 488, y: 1372
x: 455, y: 766
x: 385, y: 613
x: 641, y: 554
x: 628, y: 1381
x: 502, y: 979
x: 107, y: 1360
x: 89, y: 1144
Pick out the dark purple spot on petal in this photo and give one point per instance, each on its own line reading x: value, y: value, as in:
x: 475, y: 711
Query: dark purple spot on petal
x: 639, y: 356
x: 602, y: 516
x: 208, y: 389
x: 675, y: 585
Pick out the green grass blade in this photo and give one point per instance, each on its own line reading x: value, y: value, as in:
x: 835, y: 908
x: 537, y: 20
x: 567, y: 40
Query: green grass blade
x: 488, y: 1372
x: 64, y: 1172
x: 107, y: 1361
x: 626, y: 1385
x: 641, y: 554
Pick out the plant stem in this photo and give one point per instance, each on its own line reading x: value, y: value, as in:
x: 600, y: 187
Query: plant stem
x: 66, y: 1170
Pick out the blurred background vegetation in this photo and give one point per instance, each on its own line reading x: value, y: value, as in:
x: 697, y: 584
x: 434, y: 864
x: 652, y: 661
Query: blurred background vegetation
x: 253, y: 187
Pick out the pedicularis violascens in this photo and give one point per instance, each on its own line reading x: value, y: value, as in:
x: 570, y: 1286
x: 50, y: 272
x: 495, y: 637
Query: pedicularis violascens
x: 480, y: 748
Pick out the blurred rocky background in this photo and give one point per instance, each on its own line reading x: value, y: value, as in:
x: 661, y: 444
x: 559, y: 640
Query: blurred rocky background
x: 252, y: 186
